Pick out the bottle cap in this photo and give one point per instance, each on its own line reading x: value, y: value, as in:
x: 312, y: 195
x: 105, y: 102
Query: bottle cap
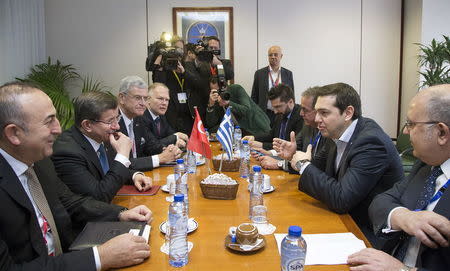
x: 178, y: 198
x: 244, y: 141
x: 295, y: 231
x: 180, y: 161
x: 237, y: 127
x: 256, y: 168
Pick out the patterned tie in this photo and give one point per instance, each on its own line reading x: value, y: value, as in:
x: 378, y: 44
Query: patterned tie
x: 158, y: 125
x: 103, y: 159
x: 41, y: 202
x: 422, y: 202
x: 131, y: 135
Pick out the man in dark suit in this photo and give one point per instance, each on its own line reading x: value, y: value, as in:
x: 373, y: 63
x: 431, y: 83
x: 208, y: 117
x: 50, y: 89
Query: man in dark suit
x: 37, y: 209
x: 413, y: 216
x: 309, y: 135
x: 147, y: 151
x: 78, y: 151
x: 361, y: 164
x: 268, y: 77
x: 155, y: 117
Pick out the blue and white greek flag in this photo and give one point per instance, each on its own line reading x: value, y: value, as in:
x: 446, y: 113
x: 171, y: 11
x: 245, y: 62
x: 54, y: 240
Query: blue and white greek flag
x: 225, y: 133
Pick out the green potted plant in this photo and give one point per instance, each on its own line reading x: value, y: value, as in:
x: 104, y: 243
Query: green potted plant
x: 434, y: 60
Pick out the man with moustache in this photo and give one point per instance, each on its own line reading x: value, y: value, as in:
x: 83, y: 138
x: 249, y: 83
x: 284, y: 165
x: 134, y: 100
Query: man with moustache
x: 36, y: 208
x: 413, y: 216
x: 90, y: 157
x: 361, y: 164
x: 268, y: 77
x: 147, y: 151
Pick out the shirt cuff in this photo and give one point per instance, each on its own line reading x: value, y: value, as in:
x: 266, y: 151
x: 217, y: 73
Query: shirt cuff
x: 155, y: 161
x: 388, y: 228
x: 123, y: 160
x: 274, y: 153
x: 98, y: 264
x: 303, y: 167
x: 136, y: 173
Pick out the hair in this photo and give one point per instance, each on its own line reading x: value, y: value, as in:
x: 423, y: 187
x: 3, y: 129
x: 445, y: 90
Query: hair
x: 438, y: 105
x: 213, y: 38
x: 91, y: 105
x: 345, y: 94
x: 131, y: 81
x: 190, y: 47
x: 282, y: 91
x: 155, y: 85
x: 311, y: 92
x: 11, y: 110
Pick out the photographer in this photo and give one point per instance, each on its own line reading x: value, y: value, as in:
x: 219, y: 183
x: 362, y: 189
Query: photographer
x: 247, y: 114
x: 173, y: 76
x: 206, y: 65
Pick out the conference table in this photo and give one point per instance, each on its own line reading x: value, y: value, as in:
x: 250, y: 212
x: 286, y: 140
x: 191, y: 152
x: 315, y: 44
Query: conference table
x: 286, y: 206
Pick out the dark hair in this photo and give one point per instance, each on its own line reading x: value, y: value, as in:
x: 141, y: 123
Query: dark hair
x: 345, y: 94
x: 91, y: 105
x: 11, y: 110
x: 282, y: 91
x: 213, y: 38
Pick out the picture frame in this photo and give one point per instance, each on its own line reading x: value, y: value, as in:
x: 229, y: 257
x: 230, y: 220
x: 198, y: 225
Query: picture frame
x: 190, y: 23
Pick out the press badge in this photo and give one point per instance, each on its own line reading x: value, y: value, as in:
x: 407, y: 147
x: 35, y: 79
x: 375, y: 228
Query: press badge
x: 182, y: 97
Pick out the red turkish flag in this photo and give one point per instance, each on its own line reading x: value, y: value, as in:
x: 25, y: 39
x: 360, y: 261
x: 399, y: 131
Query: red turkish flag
x: 198, y: 141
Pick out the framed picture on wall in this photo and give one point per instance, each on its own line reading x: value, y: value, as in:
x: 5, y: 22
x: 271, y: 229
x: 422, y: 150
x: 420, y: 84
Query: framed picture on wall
x: 193, y: 23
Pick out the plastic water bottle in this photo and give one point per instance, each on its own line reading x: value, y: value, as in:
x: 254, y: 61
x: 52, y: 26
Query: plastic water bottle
x: 181, y: 185
x: 293, y: 250
x: 191, y: 162
x: 256, y: 195
x: 178, y: 246
x: 237, y: 138
x: 244, y: 167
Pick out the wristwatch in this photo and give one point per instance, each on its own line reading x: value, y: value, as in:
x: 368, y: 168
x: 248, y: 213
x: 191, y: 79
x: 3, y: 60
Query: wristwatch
x: 280, y: 163
x: 406, y: 268
x: 301, y: 163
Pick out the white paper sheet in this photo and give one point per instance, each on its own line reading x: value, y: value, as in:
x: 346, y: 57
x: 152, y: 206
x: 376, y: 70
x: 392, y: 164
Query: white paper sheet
x: 327, y: 248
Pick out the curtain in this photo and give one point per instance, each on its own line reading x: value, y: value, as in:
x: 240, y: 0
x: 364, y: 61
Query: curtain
x: 22, y: 37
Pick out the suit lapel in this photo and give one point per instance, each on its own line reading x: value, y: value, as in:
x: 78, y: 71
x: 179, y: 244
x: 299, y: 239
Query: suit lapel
x: 358, y: 128
x: 331, y: 160
x: 89, y: 150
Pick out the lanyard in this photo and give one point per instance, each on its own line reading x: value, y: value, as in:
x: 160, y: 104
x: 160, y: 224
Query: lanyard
x: 180, y: 82
x: 437, y: 196
x: 276, y: 81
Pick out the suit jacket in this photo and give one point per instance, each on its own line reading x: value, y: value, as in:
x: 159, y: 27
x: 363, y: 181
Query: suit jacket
x: 78, y: 166
x: 22, y: 246
x: 260, y: 87
x: 369, y: 166
x: 295, y: 123
x: 145, y: 142
x: 179, y: 115
x: 167, y: 133
x: 249, y: 116
x: 405, y: 194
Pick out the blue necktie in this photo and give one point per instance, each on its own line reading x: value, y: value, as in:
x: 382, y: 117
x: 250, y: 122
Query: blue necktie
x: 103, y: 158
x: 158, y: 125
x: 422, y: 202
x: 283, y: 128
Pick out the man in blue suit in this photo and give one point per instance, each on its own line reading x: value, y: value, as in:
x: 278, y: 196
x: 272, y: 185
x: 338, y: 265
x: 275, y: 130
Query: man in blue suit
x: 413, y: 216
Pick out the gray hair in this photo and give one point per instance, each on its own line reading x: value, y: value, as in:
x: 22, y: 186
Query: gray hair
x: 131, y: 81
x: 438, y: 104
x: 11, y: 110
x: 311, y: 92
x: 154, y: 86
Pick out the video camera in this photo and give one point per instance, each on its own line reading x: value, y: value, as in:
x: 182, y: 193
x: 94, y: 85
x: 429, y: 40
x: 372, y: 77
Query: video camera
x: 170, y: 56
x: 205, y: 55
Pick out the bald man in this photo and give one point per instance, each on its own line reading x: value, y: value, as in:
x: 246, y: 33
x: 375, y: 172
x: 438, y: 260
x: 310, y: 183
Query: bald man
x: 268, y: 77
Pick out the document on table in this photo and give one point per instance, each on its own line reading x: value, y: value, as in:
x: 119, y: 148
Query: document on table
x: 327, y: 248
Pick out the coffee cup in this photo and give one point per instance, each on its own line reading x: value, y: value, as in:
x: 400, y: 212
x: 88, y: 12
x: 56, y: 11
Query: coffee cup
x: 246, y: 234
x: 170, y: 182
x: 266, y: 182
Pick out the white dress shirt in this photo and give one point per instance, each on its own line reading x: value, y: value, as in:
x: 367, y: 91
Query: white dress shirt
x: 274, y: 75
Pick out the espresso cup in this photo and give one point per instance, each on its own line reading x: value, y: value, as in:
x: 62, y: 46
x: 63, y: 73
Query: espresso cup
x: 170, y: 182
x: 246, y: 234
x: 266, y: 182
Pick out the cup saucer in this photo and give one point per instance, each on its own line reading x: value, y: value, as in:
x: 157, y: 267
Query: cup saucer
x: 271, y: 189
x: 164, y: 188
x: 244, y: 248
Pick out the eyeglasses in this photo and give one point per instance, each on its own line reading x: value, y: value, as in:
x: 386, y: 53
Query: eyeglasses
x: 307, y: 111
x: 115, y: 120
x: 410, y: 124
x: 138, y: 98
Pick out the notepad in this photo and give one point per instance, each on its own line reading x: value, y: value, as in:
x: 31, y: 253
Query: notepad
x: 130, y: 190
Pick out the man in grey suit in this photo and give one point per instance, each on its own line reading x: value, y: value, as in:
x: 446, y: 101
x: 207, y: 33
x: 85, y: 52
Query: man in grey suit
x: 413, y: 216
x: 268, y: 77
x: 36, y: 209
x: 361, y: 164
